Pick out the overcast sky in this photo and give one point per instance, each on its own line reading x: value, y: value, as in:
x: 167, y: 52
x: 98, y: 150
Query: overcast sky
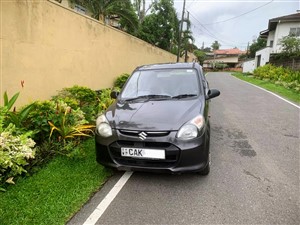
x: 207, y: 16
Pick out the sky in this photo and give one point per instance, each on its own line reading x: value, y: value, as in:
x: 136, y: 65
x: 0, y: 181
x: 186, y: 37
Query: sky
x: 233, y: 23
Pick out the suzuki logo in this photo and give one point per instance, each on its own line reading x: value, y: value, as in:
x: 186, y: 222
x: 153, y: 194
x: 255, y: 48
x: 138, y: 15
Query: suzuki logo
x: 142, y: 136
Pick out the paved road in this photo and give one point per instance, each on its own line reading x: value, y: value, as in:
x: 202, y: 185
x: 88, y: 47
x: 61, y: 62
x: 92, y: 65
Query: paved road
x: 254, y: 177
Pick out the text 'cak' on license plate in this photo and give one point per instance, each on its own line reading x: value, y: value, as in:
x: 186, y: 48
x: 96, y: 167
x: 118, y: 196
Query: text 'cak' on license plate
x: 143, y: 153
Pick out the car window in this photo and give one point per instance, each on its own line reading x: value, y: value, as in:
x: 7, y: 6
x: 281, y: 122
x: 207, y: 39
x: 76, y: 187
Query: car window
x: 171, y: 82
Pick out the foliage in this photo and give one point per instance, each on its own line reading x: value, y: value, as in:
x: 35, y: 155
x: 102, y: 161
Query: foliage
x: 38, y: 118
x: 201, y: 56
x: 8, y: 103
x: 17, y: 118
x: 129, y: 22
x: 68, y: 123
x: 140, y: 9
x: 105, y: 100
x: 160, y: 28
x: 221, y: 66
x: 80, y: 97
x: 289, y: 94
x: 15, y: 151
x: 291, y: 45
x: 282, y: 76
x: 215, y: 45
x: 121, y: 80
x: 187, y: 39
x: 108, y: 9
x: 257, y: 45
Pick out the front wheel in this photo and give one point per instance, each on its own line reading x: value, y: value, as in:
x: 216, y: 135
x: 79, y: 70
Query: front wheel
x: 206, y: 170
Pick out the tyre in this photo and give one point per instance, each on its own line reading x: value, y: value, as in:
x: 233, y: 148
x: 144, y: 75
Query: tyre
x: 206, y: 170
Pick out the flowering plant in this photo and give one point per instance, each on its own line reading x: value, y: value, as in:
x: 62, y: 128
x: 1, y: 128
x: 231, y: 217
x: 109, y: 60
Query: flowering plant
x: 15, y: 151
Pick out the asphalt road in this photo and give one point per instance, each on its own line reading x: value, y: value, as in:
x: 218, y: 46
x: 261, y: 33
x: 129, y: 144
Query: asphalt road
x: 254, y: 177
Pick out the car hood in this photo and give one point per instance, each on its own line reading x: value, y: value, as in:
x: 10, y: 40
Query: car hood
x: 153, y: 115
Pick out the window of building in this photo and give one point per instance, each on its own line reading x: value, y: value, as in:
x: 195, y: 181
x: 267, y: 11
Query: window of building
x: 271, y: 43
x: 295, y: 31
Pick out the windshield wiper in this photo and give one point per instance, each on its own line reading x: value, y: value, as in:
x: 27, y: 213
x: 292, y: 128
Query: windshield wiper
x: 147, y: 97
x: 184, y: 96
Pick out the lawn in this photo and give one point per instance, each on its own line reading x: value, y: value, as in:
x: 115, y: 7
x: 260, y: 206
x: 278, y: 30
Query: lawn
x: 56, y: 192
x: 288, y: 94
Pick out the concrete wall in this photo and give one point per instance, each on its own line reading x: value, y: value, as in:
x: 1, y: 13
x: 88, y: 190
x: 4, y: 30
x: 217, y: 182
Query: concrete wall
x: 282, y: 30
x: 249, y: 66
x: 49, y: 47
x: 264, y: 56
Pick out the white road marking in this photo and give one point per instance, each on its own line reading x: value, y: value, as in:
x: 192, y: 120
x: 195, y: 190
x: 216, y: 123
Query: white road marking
x: 293, y: 104
x: 103, y: 205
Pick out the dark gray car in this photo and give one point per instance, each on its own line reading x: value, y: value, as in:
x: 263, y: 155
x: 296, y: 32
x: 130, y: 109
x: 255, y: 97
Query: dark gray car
x: 159, y: 122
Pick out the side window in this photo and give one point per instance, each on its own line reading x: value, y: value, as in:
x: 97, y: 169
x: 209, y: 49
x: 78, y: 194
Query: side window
x: 205, y: 83
x: 295, y: 31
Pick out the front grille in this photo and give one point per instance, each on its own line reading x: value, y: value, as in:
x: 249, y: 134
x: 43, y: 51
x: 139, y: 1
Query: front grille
x: 148, y: 133
x: 172, y: 154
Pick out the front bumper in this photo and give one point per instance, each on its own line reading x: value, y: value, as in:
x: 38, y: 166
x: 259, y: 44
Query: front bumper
x: 181, y: 156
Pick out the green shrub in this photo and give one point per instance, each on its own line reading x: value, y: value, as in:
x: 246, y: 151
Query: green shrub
x: 281, y: 76
x: 221, y: 66
x: 15, y: 117
x: 121, y: 80
x: 80, y: 97
x: 37, y: 120
x: 104, y: 100
x: 15, y: 151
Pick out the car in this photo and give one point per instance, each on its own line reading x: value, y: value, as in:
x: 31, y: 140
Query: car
x: 159, y: 121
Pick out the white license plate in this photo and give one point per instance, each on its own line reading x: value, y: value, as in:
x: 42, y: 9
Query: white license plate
x: 143, y: 153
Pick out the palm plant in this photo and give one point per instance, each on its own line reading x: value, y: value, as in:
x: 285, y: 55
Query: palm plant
x: 103, y: 10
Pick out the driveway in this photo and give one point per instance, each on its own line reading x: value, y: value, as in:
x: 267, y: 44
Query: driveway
x: 254, y: 177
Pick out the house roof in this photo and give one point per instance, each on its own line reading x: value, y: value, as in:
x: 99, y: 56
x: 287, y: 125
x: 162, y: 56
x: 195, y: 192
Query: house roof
x: 273, y: 23
x: 232, y: 51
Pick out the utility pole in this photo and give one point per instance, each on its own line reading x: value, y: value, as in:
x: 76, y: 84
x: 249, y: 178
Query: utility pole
x: 180, y: 31
x: 187, y: 28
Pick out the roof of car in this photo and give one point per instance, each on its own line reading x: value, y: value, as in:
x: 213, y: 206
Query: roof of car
x: 168, y: 66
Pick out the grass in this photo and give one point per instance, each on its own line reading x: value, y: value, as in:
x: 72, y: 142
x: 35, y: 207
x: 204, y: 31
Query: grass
x: 55, y: 193
x: 288, y: 94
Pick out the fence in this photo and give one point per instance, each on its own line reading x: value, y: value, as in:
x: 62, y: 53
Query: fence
x: 293, y: 64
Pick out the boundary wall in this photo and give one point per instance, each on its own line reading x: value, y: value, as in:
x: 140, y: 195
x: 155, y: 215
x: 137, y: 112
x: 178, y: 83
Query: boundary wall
x: 46, y: 47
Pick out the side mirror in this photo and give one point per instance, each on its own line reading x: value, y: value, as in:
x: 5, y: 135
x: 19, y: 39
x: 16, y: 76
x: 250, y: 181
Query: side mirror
x: 114, y: 94
x: 212, y: 93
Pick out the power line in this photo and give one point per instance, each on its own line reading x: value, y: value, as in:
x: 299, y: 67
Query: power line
x: 222, y: 21
x: 215, y: 32
x: 212, y: 35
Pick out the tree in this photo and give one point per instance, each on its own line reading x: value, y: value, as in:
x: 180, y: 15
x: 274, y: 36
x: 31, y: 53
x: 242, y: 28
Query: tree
x: 187, y: 39
x: 260, y: 43
x: 140, y: 8
x: 291, y: 45
x: 216, y: 45
x: 201, y: 56
x: 206, y: 49
x: 108, y: 9
x: 160, y: 28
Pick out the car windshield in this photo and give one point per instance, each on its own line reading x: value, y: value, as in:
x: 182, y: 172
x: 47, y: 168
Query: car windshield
x: 162, y: 84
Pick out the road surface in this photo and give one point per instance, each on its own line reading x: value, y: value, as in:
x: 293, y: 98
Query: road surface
x: 254, y: 177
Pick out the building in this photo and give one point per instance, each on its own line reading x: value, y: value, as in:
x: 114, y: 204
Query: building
x: 230, y: 57
x: 278, y: 28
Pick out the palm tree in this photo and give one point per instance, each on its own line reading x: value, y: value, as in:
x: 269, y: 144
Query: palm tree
x: 103, y: 10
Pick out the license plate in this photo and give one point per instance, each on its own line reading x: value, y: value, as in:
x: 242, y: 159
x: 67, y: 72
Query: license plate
x: 143, y: 153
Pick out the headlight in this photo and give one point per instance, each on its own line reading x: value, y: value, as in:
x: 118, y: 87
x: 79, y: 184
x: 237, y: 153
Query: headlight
x: 103, y: 127
x: 191, y: 129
